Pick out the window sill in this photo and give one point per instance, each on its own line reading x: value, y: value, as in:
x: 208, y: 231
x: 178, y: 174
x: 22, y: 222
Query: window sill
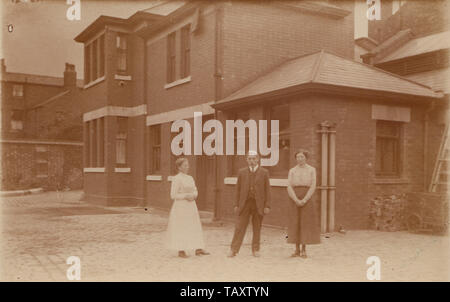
x: 122, y: 77
x: 153, y: 177
x: 390, y: 181
x: 178, y: 82
x: 122, y: 170
x: 94, y: 170
x: 95, y: 82
x: 274, y: 182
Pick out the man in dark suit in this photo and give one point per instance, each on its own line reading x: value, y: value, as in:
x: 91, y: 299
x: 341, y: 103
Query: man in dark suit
x: 252, y: 199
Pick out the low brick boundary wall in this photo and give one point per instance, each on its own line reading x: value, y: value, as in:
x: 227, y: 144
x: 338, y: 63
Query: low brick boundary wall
x: 52, y: 165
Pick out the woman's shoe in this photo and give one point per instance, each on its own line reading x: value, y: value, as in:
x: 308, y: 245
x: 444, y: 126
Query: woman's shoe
x: 296, y: 254
x: 201, y: 252
x: 182, y: 254
x: 303, y: 254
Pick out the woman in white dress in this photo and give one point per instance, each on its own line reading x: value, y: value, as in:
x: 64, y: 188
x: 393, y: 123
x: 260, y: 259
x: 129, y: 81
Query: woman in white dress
x: 184, y: 231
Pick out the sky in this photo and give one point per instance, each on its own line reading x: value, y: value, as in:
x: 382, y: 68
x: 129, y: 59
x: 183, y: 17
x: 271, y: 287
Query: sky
x: 42, y: 38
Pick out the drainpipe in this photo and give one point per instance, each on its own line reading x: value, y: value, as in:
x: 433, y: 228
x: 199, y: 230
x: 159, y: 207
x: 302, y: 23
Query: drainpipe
x: 332, y: 179
x: 145, y: 202
x: 425, y: 145
x: 217, y: 96
x: 324, y: 185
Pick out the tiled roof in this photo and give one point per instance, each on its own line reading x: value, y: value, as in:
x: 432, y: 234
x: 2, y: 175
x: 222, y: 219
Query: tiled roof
x: 330, y: 70
x: 438, y: 79
x: 419, y: 46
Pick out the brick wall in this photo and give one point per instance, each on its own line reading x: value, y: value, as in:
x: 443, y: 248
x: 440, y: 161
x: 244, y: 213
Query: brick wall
x: 36, y: 164
x: 201, y: 87
x: 257, y: 38
x: 422, y: 17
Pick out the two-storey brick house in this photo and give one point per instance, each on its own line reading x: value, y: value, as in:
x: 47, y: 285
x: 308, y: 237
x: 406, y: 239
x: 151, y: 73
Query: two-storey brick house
x: 41, y: 130
x: 286, y: 61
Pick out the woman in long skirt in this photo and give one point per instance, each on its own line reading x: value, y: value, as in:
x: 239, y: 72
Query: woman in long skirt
x: 303, y: 227
x: 184, y: 231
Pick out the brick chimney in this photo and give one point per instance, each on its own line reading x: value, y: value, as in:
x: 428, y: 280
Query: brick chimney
x: 70, y: 76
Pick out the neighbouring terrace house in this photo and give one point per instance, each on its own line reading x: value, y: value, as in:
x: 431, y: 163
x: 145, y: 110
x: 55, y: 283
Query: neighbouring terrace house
x: 288, y: 61
x: 41, y: 130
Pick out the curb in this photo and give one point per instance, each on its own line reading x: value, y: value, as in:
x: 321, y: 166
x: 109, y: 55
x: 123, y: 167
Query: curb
x: 21, y: 192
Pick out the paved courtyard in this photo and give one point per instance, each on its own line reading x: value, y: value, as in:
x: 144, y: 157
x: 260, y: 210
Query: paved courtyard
x: 39, y: 232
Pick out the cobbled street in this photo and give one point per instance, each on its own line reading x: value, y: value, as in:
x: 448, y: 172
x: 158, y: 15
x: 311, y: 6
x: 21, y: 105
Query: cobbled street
x: 126, y: 244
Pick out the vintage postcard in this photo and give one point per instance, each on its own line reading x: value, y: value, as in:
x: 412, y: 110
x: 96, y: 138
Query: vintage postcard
x: 225, y: 141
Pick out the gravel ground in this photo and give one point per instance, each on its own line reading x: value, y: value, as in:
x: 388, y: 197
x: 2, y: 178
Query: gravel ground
x: 125, y: 244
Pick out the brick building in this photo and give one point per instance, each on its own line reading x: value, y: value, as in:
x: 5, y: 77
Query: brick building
x: 414, y: 42
x: 41, y: 130
x: 287, y: 61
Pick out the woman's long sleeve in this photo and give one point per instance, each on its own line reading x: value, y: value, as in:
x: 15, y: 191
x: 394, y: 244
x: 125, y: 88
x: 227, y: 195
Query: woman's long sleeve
x: 175, y: 189
x: 312, y: 188
x: 290, y: 190
x: 195, y: 192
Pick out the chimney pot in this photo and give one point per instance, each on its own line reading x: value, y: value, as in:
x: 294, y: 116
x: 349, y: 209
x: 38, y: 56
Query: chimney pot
x: 70, y: 76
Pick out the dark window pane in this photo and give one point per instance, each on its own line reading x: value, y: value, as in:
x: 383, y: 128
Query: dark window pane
x: 388, y: 148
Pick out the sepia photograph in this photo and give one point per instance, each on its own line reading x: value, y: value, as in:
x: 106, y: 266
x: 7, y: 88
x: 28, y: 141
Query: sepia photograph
x: 225, y: 141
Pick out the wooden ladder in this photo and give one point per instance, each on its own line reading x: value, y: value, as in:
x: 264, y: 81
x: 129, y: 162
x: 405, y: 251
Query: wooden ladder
x: 442, y: 164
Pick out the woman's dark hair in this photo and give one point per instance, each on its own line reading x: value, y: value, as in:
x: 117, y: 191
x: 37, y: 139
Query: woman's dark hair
x: 180, y: 161
x: 303, y: 151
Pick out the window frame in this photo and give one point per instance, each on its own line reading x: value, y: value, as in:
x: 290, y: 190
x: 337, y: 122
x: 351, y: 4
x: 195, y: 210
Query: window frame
x: 171, y: 71
x: 122, y: 53
x: 21, y: 95
x: 154, y: 167
x: 13, y: 122
x: 185, y: 51
x: 94, y: 60
x: 398, y: 149
x: 121, y: 141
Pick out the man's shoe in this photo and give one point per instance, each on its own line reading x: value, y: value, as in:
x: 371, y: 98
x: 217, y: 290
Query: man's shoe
x: 256, y: 254
x: 231, y: 254
x: 201, y: 252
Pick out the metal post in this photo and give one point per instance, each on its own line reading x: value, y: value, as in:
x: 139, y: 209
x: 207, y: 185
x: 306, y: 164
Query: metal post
x: 323, y: 201
x: 332, y: 180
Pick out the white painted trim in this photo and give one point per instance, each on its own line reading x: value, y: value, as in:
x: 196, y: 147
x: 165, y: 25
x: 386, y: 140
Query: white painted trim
x: 38, y: 142
x: 170, y: 177
x: 95, y: 82
x: 391, y: 113
x: 122, y: 170
x: 278, y: 182
x: 178, y: 114
x: 274, y: 182
x: 115, y: 111
x: 178, y: 82
x: 153, y: 177
x: 94, y: 170
x: 230, y: 180
x: 122, y: 77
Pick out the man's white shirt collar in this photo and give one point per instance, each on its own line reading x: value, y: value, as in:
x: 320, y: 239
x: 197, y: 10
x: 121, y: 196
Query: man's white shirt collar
x: 253, y: 169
